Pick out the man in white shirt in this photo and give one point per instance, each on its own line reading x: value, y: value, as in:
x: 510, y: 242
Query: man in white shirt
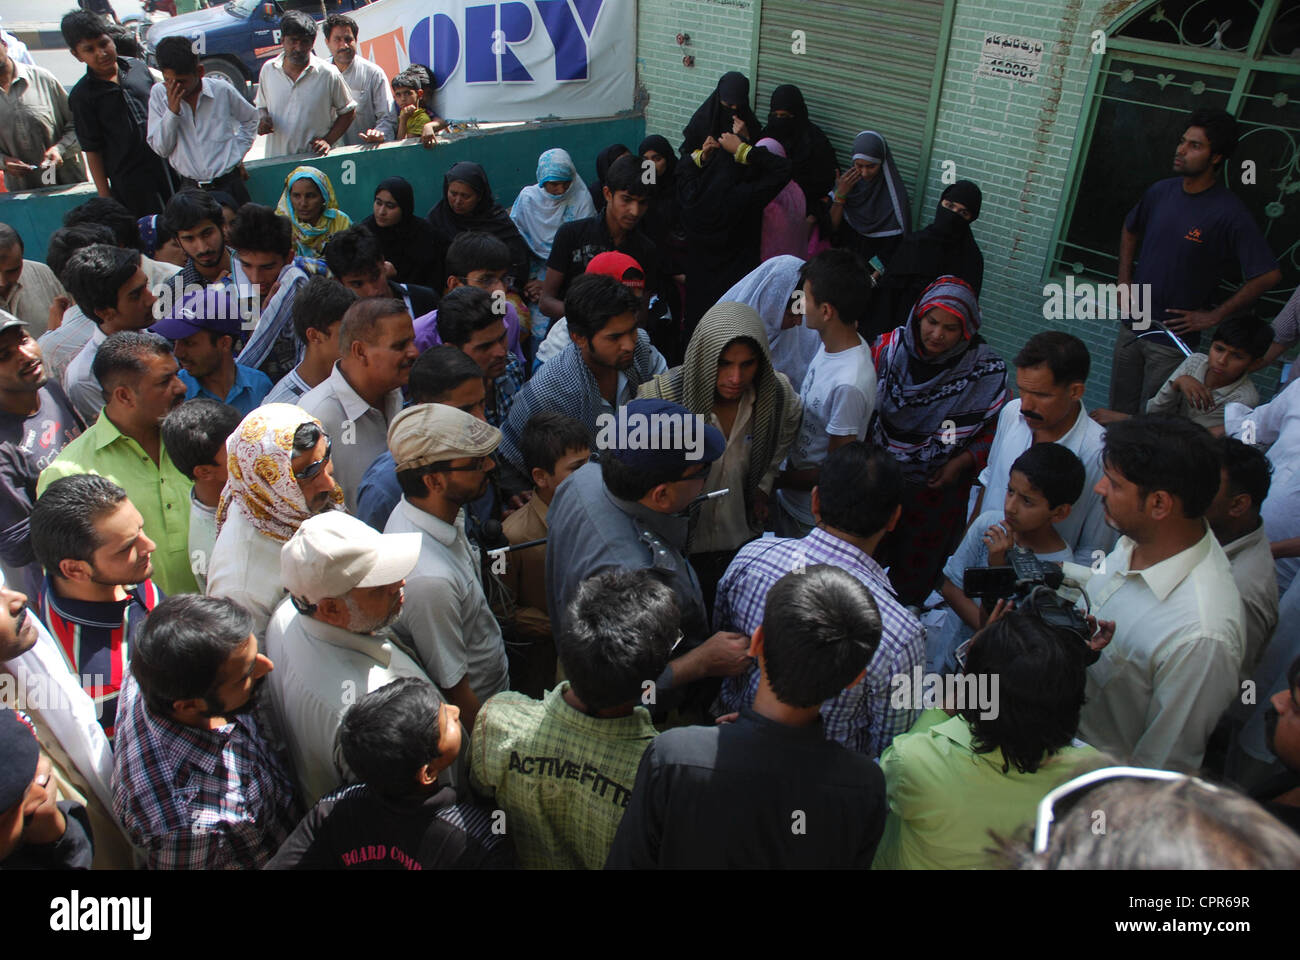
x: 1234, y: 518
x: 201, y: 125
x: 366, y: 81
x: 363, y: 392
x: 303, y: 102
x: 327, y: 638
x: 443, y: 456
x: 1051, y: 376
x: 1276, y: 425
x: 111, y: 289
x: 1172, y: 668
x: 279, y: 475
x: 838, y: 392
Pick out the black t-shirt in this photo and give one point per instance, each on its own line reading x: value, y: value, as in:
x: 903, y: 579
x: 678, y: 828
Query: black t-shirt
x: 354, y: 828
x: 1191, y: 243
x: 752, y: 794
x: 579, y: 242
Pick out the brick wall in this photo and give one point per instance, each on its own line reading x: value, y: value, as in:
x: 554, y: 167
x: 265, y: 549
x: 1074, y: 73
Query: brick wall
x: 722, y: 38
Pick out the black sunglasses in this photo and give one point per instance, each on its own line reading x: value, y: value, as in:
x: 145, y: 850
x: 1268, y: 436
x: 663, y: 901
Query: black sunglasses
x: 314, y: 468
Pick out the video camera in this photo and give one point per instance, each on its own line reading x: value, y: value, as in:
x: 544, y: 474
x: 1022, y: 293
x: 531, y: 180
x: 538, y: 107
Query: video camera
x: 1032, y: 584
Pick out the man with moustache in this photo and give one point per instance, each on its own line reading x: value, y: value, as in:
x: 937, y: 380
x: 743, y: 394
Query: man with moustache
x: 1180, y: 637
x: 36, y: 422
x: 1051, y: 376
x: 304, y: 103
x: 194, y: 781
x: 195, y: 217
x: 345, y: 587
x: 139, y: 376
x: 374, y: 121
x: 443, y: 457
x: 1189, y: 228
x: 361, y: 396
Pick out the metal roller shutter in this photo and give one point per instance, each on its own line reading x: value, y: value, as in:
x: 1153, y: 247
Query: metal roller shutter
x: 869, y: 65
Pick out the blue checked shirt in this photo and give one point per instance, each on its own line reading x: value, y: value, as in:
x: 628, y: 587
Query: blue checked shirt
x: 196, y: 799
x: 861, y: 717
x: 504, y: 389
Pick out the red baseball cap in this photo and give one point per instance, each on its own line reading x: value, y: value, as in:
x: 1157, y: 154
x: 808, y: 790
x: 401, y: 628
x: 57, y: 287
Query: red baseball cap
x: 616, y: 265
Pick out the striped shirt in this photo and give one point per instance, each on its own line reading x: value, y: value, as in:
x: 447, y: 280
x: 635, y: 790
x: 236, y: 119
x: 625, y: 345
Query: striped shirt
x: 95, y: 638
x: 196, y: 799
x: 861, y: 717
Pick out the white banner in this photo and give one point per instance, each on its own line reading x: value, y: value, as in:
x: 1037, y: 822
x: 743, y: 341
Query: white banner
x: 511, y: 60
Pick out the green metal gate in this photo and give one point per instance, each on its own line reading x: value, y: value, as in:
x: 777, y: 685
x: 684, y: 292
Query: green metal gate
x: 864, y: 65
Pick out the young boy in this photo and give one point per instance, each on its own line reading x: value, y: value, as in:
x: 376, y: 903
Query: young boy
x: 408, y: 94
x: 838, y: 391
x: 194, y: 435
x: 554, y: 446
x: 1203, y: 386
x: 396, y: 740
x: 1045, y: 482
x: 110, y: 108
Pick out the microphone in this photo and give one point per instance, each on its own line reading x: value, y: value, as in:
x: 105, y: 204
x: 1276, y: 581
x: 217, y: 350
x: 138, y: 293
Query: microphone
x: 701, y: 498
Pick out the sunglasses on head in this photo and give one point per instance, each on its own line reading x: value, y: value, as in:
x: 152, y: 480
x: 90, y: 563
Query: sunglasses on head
x: 309, y: 471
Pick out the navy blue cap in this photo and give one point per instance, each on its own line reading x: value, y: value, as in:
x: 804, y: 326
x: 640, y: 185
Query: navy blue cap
x: 19, y: 753
x: 658, y: 436
x: 211, y: 308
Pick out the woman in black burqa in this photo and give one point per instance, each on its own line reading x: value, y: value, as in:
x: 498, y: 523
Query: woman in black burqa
x: 945, y: 248
x: 811, y: 154
x: 474, y: 208
x: 409, y: 242
x: 716, y: 115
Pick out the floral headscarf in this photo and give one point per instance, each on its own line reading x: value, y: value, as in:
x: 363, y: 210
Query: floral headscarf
x: 310, y: 238
x: 260, y: 468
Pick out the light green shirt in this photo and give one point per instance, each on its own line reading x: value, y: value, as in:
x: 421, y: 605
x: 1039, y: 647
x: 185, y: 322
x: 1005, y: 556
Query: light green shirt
x: 563, y: 778
x: 159, y: 491
x: 944, y: 798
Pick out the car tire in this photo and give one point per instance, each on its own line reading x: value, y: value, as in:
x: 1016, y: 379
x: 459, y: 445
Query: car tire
x: 215, y: 66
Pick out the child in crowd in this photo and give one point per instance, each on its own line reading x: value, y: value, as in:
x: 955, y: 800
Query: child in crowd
x: 409, y: 95
x: 1202, y: 386
x: 1045, y: 482
x: 554, y: 446
x: 396, y: 740
x: 194, y: 435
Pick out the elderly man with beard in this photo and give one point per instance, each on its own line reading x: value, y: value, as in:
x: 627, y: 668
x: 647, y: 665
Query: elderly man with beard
x: 279, y: 473
x: 345, y: 587
x: 139, y: 376
x: 36, y: 422
x: 194, y: 781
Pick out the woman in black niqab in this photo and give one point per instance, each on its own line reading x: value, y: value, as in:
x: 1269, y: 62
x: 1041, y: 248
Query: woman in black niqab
x: 715, y: 118
x: 809, y: 150
x: 410, y: 244
x: 604, y: 160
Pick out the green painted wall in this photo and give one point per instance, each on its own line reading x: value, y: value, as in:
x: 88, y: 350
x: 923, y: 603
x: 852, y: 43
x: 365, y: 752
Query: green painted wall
x: 509, y: 156
x: 722, y: 36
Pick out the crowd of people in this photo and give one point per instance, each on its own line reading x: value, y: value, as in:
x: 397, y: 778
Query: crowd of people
x: 346, y: 539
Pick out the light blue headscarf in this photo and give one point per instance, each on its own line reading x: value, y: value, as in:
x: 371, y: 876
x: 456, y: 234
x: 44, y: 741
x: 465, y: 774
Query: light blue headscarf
x: 538, y: 215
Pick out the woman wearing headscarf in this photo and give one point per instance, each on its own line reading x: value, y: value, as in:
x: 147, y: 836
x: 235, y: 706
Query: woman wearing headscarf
x: 604, y: 160
x: 718, y: 115
x: 558, y: 196
x: 939, y: 390
x: 722, y: 191
x: 467, y: 204
x: 309, y: 204
x: 264, y: 502
x: 810, y: 151
x: 408, y: 241
x: 869, y: 214
x: 944, y: 248
x: 770, y: 290
x: 728, y: 378
x: 663, y: 224
x: 785, y: 226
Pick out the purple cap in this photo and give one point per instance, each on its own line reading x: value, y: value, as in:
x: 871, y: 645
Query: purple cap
x: 209, y: 308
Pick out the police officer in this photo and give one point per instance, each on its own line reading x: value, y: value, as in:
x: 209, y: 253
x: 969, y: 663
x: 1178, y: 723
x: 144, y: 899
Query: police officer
x: 630, y: 510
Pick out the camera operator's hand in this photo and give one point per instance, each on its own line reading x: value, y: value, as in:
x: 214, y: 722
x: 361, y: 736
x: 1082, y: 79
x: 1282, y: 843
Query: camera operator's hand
x: 1000, y: 610
x: 999, y: 540
x: 1103, y: 631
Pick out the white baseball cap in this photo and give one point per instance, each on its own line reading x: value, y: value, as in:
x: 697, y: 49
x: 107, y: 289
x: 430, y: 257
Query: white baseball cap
x: 333, y: 553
